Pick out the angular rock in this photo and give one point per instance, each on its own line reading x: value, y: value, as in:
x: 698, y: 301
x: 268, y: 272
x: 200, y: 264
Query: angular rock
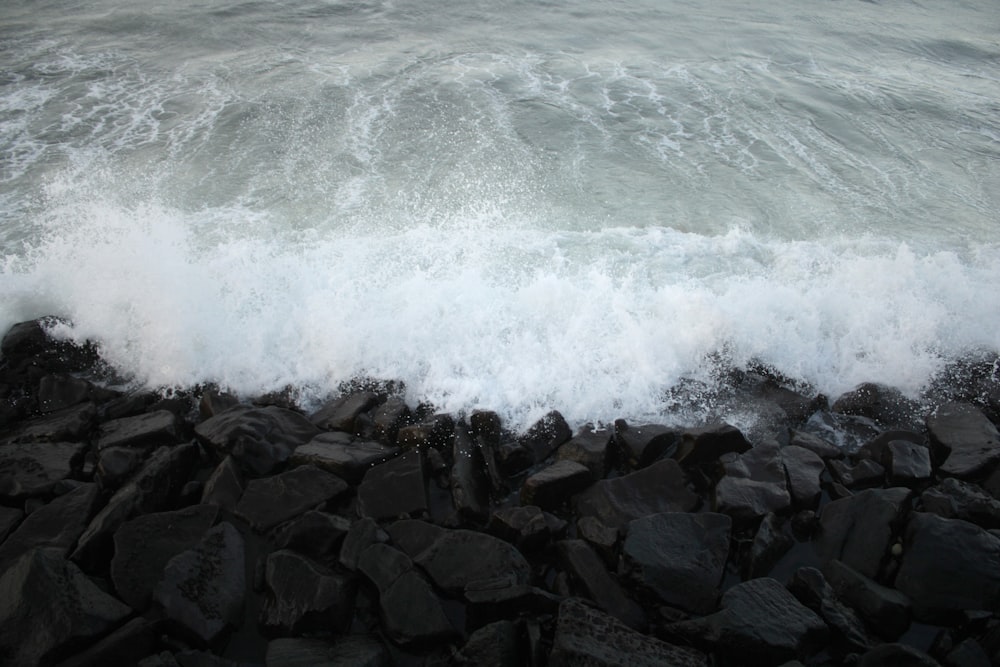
x: 435, y: 433
x: 641, y: 445
x: 388, y: 418
x: 494, y: 645
x: 906, y: 463
x: 26, y: 339
x: 545, y: 436
x: 273, y: 500
x: 552, y: 486
x: 816, y: 445
x: 214, y: 402
x: 129, y: 644
x: 591, y: 448
x: 846, y: 432
x: 964, y: 439
x: 260, y: 439
x: 203, y: 588
x: 803, y: 468
x: 47, y: 605
x: 56, y: 526
x: 458, y: 558
x: 659, y: 487
x: 144, y: 545
x: 865, y: 474
x: 489, y: 602
x: 395, y: 488
x: 10, y: 517
x: 586, y: 636
x: 470, y: 484
x: 34, y: 469
x: 317, y: 535
x: 116, y: 464
x: 754, y: 483
x: 588, y: 571
x: 341, y: 413
x: 680, y: 557
x: 886, y: 611
x: 948, y: 566
x: 69, y: 424
x: 59, y: 391
x: 858, y: 530
x: 342, y: 454
x: 147, y: 431
x: 362, y: 534
x: 812, y: 590
x: 151, y: 489
x: 304, y: 596
x: 513, y: 458
x: 225, y: 486
x: 880, y: 403
x: 955, y: 499
x: 772, y: 540
x: 698, y: 446
x: 897, y: 655
x: 601, y: 538
x: 524, y: 527
x: 345, y: 651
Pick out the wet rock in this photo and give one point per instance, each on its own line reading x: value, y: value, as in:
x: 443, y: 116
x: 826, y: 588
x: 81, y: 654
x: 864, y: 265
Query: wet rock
x: 591, y: 448
x: 10, y: 517
x: 304, y: 596
x: 116, y: 464
x: 589, y: 574
x: 803, y: 468
x: 524, y: 527
x: 698, y: 446
x: 388, y: 417
x: 811, y: 588
x: 845, y: 432
x: 214, y: 402
x: 680, y: 557
x: 342, y: 454
x: 317, y: 535
x: 127, y: 645
x: 273, y: 500
x: 435, y: 433
x: 27, y: 339
x: 152, y: 489
x: 885, y: 405
x: 470, y: 484
x: 897, y: 655
x: 865, y: 474
x: 260, y: 439
x: 659, y: 487
x: 641, y: 445
x: 948, y: 566
x: 603, y: 539
x: 69, y: 424
x: 345, y: 651
x: 144, y: 545
x: 34, y: 469
x: 587, y: 636
x: 964, y: 440
x: 955, y: 499
x: 203, y: 588
x: 55, y: 526
x: 772, y: 540
x: 816, y: 445
x: 340, y: 414
x: 545, y: 436
x: 858, y: 530
x: 754, y: 484
x: 552, y: 486
x: 490, y: 601
x: 885, y: 611
x: 147, y: 431
x: 513, y: 458
x: 361, y: 535
x: 47, y: 605
x: 224, y: 487
x: 59, y: 391
x: 906, y: 463
x: 494, y: 645
x: 968, y: 653
x: 395, y: 488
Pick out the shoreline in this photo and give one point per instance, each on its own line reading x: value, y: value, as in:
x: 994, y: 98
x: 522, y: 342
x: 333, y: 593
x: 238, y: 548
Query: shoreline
x: 855, y: 530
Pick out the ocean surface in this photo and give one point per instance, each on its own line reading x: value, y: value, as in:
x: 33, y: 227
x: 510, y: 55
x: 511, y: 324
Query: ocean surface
x: 513, y: 205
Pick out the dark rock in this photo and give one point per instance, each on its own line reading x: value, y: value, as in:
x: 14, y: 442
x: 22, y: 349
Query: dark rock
x: 345, y: 651
x: 591, y: 448
x: 388, y: 417
x: 152, y: 489
x: 485, y: 424
x: 659, y: 487
x: 906, y: 463
x: 641, y: 445
x: 26, y: 339
x: 858, y: 530
x: 10, y: 517
x: 69, y: 424
x: 317, y: 535
x: 590, y: 575
x: 812, y: 590
x: 948, y: 566
x: 260, y: 439
x: 545, y: 436
x: 494, y: 645
x: 458, y: 558
x: 362, y: 534
x: 470, y: 484
x: 875, y: 449
x: 47, y: 606
x: 698, y: 446
x: 964, y: 439
x: 144, y: 545
x: 55, y: 526
x: 754, y: 484
x: 896, y: 655
x: 491, y: 601
x: 59, y: 391
x: 214, y: 402
x: 433, y: 434
x: 512, y: 458
x: 955, y: 499
x: 203, y: 588
x: 128, y: 405
x: 816, y: 445
x: 395, y: 488
x: 880, y: 403
x: 273, y: 500
x: 968, y: 653
x: 129, y: 644
x: 552, y: 486
x: 342, y: 454
x: 304, y: 596
x: 772, y: 540
x: 885, y: 611
x: 865, y: 474
x: 845, y: 432
x: 224, y: 487
x: 147, y: 431
x: 680, y: 557
x: 603, y: 539
x: 115, y: 465
x: 803, y: 468
x: 587, y: 636
x: 524, y: 527
x: 33, y: 469
x: 341, y: 413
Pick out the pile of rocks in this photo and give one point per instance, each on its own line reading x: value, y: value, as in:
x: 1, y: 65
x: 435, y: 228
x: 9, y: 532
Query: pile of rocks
x: 195, y: 529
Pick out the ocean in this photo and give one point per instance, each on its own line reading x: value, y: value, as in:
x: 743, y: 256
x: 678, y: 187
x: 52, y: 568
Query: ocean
x: 509, y: 205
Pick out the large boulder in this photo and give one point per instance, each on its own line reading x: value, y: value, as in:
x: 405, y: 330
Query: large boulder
x: 260, y: 439
x: 146, y: 431
x: 342, y: 454
x: 273, y: 500
x: 341, y: 413
x: 858, y: 529
x: 964, y: 440
x: 56, y: 525
x: 699, y: 446
x: 395, y: 488
x: 304, y: 596
x: 659, y: 487
x: 590, y: 575
x: 34, y: 468
x: 470, y: 483
x: 753, y: 484
x: 553, y: 485
x: 641, y: 445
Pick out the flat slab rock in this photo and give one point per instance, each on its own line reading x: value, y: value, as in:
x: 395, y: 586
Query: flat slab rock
x: 273, y: 500
x: 305, y: 596
x: 660, y: 487
x: 965, y: 438
x: 586, y: 636
x: 56, y: 525
x: 260, y: 439
x: 150, y: 430
x: 394, y: 489
x: 342, y: 454
x: 858, y: 529
x: 33, y: 469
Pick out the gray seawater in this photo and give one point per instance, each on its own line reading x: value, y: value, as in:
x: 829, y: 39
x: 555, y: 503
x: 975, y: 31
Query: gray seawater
x: 514, y: 205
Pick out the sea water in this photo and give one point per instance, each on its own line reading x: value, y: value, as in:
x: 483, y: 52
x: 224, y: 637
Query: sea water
x: 514, y: 205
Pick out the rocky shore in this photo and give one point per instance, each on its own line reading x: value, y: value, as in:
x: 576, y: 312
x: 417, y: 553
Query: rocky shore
x: 195, y: 529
